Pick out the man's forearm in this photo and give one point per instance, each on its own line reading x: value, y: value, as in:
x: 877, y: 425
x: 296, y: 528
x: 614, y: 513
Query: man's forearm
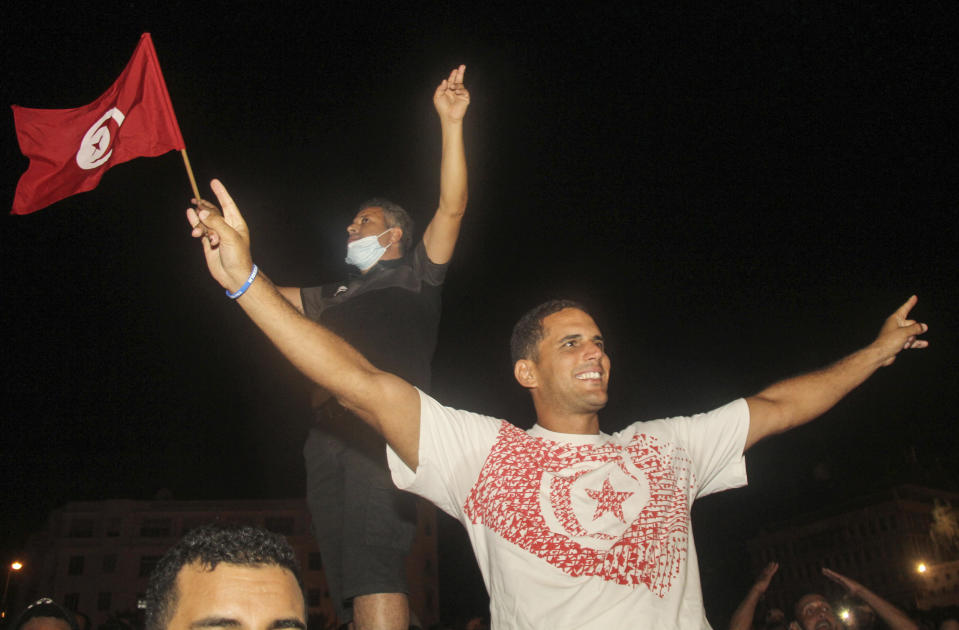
x: 890, y: 614
x: 453, y: 179
x: 798, y: 400
x: 744, y: 614
x: 292, y: 295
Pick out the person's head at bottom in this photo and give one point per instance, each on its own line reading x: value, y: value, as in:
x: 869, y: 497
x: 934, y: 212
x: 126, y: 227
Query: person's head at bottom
x: 45, y: 614
x: 226, y: 576
x: 814, y: 612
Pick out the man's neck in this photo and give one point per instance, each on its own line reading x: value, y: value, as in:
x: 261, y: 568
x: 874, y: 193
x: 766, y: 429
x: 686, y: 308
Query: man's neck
x: 574, y: 423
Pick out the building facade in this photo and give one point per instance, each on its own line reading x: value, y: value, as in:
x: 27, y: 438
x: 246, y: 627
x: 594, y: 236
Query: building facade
x: 96, y: 557
x: 879, y: 541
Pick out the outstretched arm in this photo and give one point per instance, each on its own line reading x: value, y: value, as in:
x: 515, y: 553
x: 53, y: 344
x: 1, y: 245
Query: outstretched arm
x: 742, y: 618
x: 798, y: 400
x: 892, y: 616
x: 451, y: 100
x: 386, y: 402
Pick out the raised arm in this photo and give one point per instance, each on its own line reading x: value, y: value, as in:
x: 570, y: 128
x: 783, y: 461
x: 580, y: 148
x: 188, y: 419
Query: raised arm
x: 894, y: 618
x: 451, y: 100
x: 798, y: 400
x: 386, y: 402
x: 742, y: 618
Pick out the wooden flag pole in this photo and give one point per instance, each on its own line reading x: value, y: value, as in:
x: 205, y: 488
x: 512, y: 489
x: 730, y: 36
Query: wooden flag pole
x: 189, y: 173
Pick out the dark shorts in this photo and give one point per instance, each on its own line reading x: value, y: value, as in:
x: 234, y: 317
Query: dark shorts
x: 363, y: 525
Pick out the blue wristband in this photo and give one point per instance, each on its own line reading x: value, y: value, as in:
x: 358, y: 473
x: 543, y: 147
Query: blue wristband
x: 245, y: 286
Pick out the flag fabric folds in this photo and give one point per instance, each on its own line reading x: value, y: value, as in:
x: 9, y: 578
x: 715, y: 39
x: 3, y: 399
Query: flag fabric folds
x: 71, y: 149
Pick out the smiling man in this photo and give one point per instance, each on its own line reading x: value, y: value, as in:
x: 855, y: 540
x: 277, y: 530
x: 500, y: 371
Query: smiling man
x: 238, y: 577
x: 572, y: 528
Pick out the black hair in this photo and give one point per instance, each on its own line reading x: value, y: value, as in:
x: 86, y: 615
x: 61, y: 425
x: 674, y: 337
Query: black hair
x: 529, y: 330
x: 45, y: 607
x: 208, y: 546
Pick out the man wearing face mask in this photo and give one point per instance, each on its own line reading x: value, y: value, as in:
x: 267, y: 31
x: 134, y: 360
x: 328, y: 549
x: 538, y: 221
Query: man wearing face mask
x: 389, y: 309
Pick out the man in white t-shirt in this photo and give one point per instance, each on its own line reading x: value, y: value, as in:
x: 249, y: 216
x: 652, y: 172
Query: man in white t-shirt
x: 571, y: 528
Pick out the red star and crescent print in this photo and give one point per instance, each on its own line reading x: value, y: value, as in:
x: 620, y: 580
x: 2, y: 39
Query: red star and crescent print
x: 618, y: 512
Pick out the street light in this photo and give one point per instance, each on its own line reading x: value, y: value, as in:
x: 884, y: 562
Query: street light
x: 16, y: 565
x: 921, y: 567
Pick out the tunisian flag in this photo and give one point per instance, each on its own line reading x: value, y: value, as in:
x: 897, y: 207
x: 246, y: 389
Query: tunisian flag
x: 70, y: 149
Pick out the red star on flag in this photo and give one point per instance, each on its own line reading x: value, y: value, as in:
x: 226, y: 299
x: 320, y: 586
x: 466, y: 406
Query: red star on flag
x: 608, y: 500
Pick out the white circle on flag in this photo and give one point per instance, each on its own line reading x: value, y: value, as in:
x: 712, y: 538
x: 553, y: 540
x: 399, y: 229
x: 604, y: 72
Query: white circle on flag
x: 95, y: 147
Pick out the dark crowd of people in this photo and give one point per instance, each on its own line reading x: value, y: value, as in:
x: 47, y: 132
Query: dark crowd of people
x: 247, y: 578
x: 859, y: 609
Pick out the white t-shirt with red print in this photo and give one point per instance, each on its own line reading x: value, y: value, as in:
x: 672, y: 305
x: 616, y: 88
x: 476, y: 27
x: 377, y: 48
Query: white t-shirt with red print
x: 580, y: 531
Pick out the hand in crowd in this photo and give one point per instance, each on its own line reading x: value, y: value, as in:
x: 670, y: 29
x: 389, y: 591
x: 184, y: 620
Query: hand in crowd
x: 766, y: 576
x: 852, y: 587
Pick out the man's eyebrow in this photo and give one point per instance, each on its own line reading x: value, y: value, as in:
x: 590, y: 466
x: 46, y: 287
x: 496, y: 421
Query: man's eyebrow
x: 216, y: 622
x: 579, y: 336
x: 226, y: 622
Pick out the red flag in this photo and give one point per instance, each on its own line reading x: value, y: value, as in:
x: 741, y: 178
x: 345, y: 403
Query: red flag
x: 70, y: 149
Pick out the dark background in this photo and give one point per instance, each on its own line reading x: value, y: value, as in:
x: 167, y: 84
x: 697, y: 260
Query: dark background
x: 742, y: 192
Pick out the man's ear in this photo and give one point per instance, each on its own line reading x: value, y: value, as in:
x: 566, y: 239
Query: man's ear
x: 525, y: 372
x: 396, y: 235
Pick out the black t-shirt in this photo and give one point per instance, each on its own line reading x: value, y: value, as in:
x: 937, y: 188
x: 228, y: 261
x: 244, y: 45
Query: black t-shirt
x: 390, y: 314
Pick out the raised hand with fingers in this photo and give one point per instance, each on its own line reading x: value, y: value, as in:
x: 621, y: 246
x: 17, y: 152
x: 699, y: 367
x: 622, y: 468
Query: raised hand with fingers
x: 226, y: 239
x: 451, y: 98
x: 852, y: 587
x: 762, y: 582
x: 900, y: 333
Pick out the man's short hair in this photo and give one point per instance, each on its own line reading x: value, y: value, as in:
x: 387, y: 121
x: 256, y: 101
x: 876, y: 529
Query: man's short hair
x: 529, y: 330
x: 208, y: 546
x: 395, y: 216
x: 45, y: 607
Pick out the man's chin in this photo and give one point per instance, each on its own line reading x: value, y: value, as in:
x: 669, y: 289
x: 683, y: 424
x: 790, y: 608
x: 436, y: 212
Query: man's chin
x: 597, y: 402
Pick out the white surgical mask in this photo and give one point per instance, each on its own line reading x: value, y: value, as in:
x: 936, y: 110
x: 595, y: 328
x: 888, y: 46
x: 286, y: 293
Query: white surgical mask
x: 364, y: 252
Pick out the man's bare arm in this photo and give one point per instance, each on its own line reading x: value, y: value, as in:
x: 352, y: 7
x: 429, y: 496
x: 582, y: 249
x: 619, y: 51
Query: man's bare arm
x: 798, y: 400
x: 742, y: 618
x: 451, y: 100
x: 293, y: 296
x: 386, y: 402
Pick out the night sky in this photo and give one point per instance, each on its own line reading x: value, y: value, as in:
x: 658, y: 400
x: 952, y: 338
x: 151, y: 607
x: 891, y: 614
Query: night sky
x: 740, y: 195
